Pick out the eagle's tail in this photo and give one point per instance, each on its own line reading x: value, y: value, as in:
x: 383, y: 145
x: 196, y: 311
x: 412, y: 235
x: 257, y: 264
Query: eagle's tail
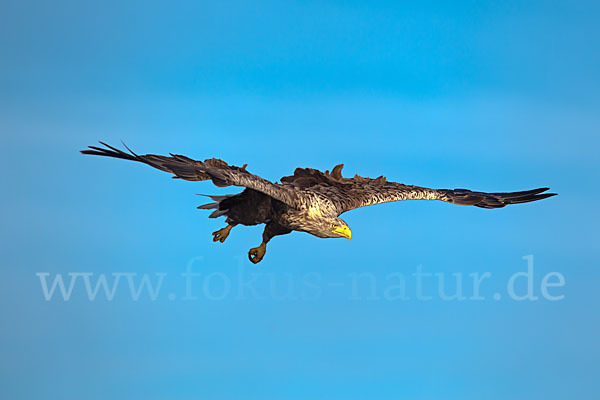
x: 491, y: 200
x: 214, y: 206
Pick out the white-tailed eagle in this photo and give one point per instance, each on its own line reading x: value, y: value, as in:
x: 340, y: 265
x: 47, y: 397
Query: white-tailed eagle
x: 308, y: 201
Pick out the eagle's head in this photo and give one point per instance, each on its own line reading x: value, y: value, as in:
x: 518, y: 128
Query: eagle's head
x: 331, y: 228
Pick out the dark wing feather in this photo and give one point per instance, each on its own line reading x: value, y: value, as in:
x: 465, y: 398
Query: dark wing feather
x: 348, y: 194
x: 214, y: 169
x: 492, y: 200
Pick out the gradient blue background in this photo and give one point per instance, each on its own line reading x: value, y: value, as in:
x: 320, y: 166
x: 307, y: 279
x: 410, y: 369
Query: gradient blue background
x: 484, y: 95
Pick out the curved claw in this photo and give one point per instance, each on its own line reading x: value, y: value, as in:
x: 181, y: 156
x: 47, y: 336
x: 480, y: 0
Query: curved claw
x: 221, y: 234
x: 256, y: 254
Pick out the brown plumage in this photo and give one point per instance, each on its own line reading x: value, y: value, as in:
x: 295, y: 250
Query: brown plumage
x: 308, y: 201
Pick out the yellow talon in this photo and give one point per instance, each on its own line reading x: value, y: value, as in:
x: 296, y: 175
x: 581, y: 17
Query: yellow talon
x: 256, y: 254
x: 221, y: 234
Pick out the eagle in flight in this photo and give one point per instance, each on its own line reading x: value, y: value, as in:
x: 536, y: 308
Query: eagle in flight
x: 309, y: 201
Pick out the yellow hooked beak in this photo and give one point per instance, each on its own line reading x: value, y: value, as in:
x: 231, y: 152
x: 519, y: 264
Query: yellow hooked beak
x: 343, y: 231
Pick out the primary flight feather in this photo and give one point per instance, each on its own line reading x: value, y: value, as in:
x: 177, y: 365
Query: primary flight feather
x: 308, y: 201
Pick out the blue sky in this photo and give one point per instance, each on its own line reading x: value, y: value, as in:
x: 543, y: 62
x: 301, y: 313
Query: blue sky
x: 482, y: 95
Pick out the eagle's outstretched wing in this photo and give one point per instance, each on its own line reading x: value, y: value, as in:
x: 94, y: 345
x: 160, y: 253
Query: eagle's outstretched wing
x: 350, y: 193
x: 214, y: 169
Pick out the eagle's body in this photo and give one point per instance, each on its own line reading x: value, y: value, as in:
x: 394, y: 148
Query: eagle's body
x: 308, y: 201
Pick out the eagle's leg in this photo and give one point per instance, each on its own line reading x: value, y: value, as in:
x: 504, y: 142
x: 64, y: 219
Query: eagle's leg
x: 272, y: 229
x: 256, y: 254
x: 221, y: 234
